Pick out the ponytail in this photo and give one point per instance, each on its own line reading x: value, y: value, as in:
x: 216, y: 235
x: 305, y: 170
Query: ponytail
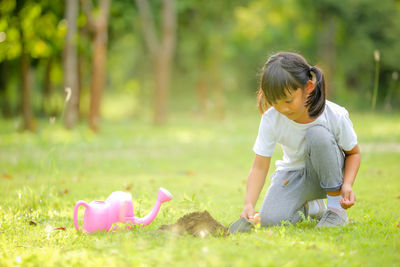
x: 316, y: 99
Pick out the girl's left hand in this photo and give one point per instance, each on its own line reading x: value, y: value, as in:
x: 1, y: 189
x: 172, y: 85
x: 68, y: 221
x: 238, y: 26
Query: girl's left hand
x: 348, y: 197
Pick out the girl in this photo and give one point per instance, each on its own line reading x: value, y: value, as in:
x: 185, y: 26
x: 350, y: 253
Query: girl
x: 320, y: 152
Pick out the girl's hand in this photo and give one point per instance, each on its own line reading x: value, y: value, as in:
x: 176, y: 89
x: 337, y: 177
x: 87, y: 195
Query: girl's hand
x: 248, y: 211
x: 348, y: 197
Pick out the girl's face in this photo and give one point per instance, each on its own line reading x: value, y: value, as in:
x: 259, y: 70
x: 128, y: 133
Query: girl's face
x: 294, y: 107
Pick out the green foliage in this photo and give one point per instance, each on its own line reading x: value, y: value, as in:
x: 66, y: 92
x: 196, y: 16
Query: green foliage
x: 360, y: 27
x: 10, y: 46
x: 266, y: 27
x: 36, y: 26
x: 369, y: 27
x: 221, y: 45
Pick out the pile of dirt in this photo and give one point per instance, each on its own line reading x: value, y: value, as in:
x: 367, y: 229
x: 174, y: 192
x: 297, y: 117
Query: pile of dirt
x: 199, y: 224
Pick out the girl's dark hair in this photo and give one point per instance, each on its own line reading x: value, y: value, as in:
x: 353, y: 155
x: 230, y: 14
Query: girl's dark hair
x: 285, y: 72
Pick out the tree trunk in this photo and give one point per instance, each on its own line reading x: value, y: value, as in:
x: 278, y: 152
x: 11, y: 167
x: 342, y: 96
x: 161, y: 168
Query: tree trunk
x: 163, y: 58
x: 98, y: 64
x: 219, y: 97
x: 46, y: 84
x: 4, y: 100
x: 327, y: 51
x: 71, y: 65
x: 80, y: 81
x: 82, y: 62
x: 97, y: 82
x: 202, y: 84
x: 99, y: 24
x: 160, y: 106
x: 162, y: 77
x: 26, y: 93
x: 202, y: 92
x: 161, y: 52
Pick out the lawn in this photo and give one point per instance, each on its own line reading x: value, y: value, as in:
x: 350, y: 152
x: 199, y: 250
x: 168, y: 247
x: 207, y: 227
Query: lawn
x: 204, y: 163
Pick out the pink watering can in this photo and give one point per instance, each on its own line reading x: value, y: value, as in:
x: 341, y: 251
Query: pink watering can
x: 118, y: 207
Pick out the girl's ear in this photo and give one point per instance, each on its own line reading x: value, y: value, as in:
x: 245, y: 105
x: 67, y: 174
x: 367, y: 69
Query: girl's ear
x: 310, y: 86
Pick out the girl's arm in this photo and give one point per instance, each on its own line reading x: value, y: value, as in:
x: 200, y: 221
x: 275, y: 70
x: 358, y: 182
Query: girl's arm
x: 255, y: 183
x: 351, y: 165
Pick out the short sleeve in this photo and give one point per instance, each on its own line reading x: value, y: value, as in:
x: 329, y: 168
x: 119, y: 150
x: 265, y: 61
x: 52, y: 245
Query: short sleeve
x: 265, y: 142
x: 347, y: 138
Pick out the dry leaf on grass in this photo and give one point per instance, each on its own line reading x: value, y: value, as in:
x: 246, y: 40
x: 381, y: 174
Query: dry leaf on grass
x: 62, y: 228
x: 6, y: 176
x: 64, y: 192
x: 50, y: 228
x: 128, y: 187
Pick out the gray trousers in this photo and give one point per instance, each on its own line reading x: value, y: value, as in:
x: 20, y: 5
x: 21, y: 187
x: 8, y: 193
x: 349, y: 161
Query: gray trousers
x: 290, y: 190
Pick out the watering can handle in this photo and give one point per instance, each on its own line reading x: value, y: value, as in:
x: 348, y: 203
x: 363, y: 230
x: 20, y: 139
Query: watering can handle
x: 79, y: 203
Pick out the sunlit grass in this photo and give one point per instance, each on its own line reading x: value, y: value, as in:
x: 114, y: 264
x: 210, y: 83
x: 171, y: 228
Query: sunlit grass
x: 204, y: 163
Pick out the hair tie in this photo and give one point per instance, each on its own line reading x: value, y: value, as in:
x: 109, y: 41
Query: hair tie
x: 313, y: 75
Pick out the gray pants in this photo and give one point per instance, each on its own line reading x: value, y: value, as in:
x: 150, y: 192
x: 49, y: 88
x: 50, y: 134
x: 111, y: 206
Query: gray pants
x: 290, y: 190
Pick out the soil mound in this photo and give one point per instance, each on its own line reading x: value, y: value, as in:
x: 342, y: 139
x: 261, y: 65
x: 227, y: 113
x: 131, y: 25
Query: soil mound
x: 199, y: 224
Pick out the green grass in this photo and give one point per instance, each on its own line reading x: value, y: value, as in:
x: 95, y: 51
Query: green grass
x: 204, y: 163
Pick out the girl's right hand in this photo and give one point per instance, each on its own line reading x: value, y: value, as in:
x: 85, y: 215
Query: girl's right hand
x: 248, y: 212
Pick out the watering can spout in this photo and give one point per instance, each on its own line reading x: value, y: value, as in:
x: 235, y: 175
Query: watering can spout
x: 163, y: 196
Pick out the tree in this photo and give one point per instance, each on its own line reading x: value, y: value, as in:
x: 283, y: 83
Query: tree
x: 26, y: 88
x: 71, y: 64
x: 16, y: 30
x: 9, y: 50
x: 161, y: 52
x: 26, y: 30
x: 98, y: 23
x: 31, y: 32
x: 4, y: 101
x: 204, y: 34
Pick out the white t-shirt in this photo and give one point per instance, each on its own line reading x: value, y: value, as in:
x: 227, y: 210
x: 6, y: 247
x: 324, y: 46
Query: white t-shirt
x: 277, y: 128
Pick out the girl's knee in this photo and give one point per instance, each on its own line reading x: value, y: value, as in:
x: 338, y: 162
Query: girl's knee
x: 273, y: 218
x: 278, y: 216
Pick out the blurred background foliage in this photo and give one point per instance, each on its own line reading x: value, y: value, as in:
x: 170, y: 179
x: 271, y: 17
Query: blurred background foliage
x: 219, y: 49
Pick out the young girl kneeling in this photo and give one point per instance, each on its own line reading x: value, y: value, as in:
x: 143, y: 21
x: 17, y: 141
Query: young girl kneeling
x: 320, y: 152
